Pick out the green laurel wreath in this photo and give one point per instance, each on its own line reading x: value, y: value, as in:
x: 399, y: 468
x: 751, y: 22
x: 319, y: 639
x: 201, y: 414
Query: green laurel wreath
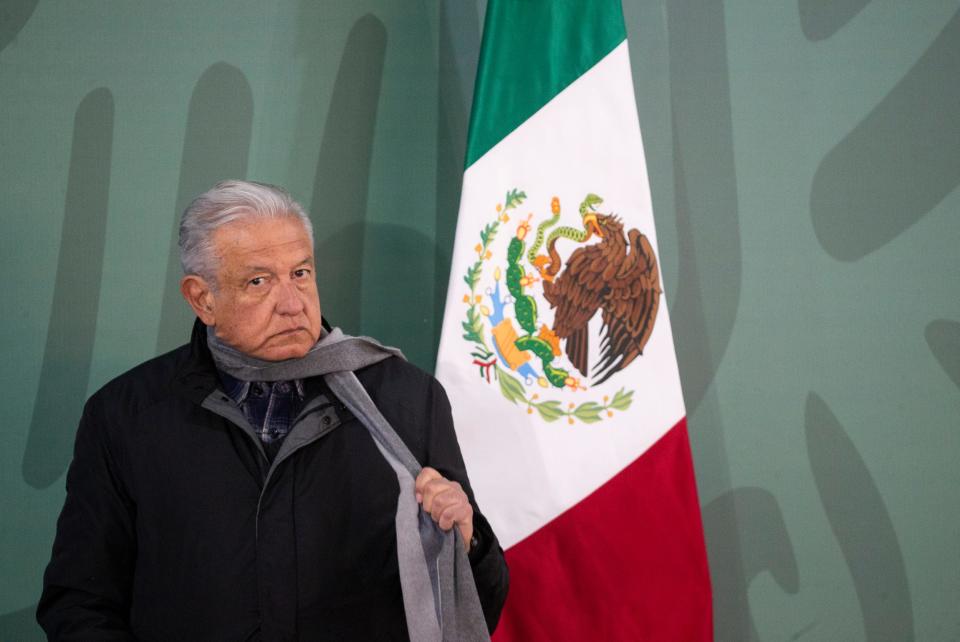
x: 550, y: 410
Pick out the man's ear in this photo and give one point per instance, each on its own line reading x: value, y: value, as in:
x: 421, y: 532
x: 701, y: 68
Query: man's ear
x: 199, y: 295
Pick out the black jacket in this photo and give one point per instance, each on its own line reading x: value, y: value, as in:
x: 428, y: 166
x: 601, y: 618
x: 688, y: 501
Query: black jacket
x: 168, y: 532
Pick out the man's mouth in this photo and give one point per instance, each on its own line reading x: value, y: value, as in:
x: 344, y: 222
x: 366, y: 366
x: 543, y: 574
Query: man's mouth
x: 290, y: 331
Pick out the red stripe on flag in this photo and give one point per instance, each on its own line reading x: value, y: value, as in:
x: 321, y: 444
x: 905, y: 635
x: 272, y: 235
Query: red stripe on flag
x: 626, y: 563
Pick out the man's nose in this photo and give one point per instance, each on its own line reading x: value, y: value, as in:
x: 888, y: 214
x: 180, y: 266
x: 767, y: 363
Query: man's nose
x: 289, y: 299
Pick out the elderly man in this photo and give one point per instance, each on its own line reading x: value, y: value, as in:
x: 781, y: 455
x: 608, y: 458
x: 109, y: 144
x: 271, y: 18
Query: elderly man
x: 264, y: 481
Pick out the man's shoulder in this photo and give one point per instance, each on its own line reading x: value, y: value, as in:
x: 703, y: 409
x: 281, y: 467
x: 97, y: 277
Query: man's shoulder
x: 411, y: 399
x: 397, y: 375
x: 144, y: 384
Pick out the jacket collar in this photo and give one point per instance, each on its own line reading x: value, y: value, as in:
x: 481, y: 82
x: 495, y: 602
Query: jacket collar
x: 196, y: 375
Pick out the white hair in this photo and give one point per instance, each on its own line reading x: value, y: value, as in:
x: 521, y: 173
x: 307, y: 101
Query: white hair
x: 228, y: 202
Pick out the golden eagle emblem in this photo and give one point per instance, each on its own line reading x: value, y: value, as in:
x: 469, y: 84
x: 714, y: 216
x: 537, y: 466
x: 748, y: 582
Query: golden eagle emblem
x: 620, y: 277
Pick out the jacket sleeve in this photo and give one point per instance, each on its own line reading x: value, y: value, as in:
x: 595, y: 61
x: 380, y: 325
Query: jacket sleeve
x: 486, y: 557
x: 86, y: 587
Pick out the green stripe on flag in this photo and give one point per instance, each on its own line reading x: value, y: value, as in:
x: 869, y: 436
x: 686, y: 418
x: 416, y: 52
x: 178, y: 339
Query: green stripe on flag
x: 533, y: 49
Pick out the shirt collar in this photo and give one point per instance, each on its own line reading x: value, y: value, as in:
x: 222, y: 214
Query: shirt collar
x: 239, y: 390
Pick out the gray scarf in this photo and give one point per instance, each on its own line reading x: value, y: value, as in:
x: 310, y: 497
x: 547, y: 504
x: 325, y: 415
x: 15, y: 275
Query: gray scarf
x: 439, y: 595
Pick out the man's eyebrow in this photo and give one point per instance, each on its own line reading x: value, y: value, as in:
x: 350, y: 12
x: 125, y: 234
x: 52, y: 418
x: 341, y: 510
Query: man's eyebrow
x: 248, y: 269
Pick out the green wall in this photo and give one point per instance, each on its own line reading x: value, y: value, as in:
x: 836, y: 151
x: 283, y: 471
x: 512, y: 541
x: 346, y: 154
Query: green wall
x: 804, y: 158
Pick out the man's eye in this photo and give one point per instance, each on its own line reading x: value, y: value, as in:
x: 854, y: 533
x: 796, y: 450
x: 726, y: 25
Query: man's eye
x: 301, y: 273
x: 257, y: 281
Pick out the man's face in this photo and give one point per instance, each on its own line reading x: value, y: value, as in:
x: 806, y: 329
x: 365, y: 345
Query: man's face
x: 266, y: 304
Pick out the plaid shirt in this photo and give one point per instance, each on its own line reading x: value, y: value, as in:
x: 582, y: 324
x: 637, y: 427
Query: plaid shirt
x: 269, y: 406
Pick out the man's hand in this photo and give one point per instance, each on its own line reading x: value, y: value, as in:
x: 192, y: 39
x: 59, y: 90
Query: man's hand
x: 446, y: 502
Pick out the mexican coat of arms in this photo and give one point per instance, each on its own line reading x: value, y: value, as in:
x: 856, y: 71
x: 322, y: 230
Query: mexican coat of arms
x: 537, y: 361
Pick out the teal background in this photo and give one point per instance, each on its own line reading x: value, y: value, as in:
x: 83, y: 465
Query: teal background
x: 804, y: 159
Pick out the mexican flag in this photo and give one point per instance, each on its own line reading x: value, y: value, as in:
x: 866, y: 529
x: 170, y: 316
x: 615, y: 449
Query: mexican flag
x: 556, y: 348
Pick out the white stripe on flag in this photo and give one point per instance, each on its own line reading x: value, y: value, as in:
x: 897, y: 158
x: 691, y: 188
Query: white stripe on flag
x: 586, y: 140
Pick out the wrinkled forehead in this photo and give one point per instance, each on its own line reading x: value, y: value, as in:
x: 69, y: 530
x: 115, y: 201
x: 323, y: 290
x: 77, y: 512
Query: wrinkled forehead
x: 284, y: 239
